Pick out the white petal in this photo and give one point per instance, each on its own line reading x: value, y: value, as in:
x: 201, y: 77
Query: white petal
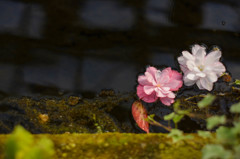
x: 213, y: 57
x: 199, y: 84
x: 184, y: 68
x: 200, y: 74
x: 199, y: 57
x: 149, y: 89
x: 191, y: 76
x: 218, y: 68
x: 187, y: 55
x: 188, y: 82
x: 196, y: 47
x: 212, y: 77
x: 181, y: 60
x: 206, y: 84
x: 191, y: 65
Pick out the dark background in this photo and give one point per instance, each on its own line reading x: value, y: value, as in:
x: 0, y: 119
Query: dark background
x: 53, y: 47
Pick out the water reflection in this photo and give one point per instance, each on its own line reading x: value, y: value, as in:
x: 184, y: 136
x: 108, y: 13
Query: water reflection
x: 89, y: 45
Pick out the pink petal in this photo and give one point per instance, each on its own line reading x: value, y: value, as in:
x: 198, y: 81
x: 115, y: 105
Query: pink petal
x: 151, y: 70
x: 171, y: 95
x: 165, y: 76
x: 206, y: 84
x: 147, y: 98
x: 167, y: 101
x: 174, y: 85
x: 175, y: 81
x: 159, y: 92
x: 150, y: 78
x: 213, y: 57
x: 149, y: 89
x: 143, y: 80
x: 176, y: 75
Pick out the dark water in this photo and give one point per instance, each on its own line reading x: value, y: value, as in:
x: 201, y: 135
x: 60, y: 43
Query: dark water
x: 80, y: 47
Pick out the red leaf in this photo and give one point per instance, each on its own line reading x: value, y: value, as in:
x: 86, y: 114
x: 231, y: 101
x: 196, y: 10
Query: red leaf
x: 140, y: 114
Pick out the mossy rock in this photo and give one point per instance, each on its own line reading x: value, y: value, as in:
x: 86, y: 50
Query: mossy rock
x: 120, y: 145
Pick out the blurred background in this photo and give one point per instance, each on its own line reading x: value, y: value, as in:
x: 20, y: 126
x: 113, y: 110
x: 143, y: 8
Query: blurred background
x: 53, y: 47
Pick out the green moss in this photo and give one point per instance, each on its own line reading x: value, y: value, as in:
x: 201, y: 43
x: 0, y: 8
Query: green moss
x: 71, y: 114
x: 121, y: 145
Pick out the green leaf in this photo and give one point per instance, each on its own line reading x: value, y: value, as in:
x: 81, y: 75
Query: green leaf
x: 169, y: 116
x: 236, y: 128
x: 226, y: 135
x: 214, y: 121
x: 237, y: 151
x: 19, y: 141
x: 206, y: 101
x: 176, y: 105
x: 235, y: 108
x: 176, y: 135
x: 204, y: 134
x: 183, y: 112
x: 177, y: 118
x: 21, y: 144
x: 213, y: 151
x: 237, y: 82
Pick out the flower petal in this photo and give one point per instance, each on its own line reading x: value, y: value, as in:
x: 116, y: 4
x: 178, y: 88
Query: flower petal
x: 159, y: 92
x: 149, y: 89
x: 219, y: 68
x: 191, y: 76
x: 174, y: 85
x: 188, y: 82
x: 181, y: 60
x: 147, y: 98
x: 201, y: 74
x: 206, y: 84
x: 171, y: 95
x: 192, y: 66
x: 167, y: 101
x: 200, y: 56
x: 143, y: 80
x: 187, y: 55
x: 199, y: 84
x: 196, y: 48
x: 213, y: 57
x: 176, y: 75
x: 164, y: 77
x: 212, y: 77
x: 150, y: 78
x: 151, y: 70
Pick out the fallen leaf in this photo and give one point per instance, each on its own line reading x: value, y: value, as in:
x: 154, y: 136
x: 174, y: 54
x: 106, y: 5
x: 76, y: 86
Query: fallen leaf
x: 140, y: 115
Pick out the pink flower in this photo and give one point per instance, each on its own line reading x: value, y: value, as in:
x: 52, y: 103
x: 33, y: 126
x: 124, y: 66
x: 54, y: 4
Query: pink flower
x: 155, y: 84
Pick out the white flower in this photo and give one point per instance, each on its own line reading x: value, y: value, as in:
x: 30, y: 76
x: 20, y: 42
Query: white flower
x: 200, y: 68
